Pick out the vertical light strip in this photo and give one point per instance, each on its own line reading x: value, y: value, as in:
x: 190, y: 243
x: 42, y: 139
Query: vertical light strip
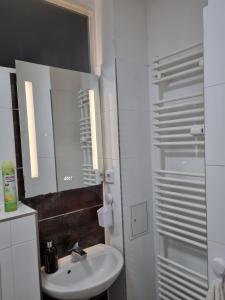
x: 93, y: 129
x: 31, y: 129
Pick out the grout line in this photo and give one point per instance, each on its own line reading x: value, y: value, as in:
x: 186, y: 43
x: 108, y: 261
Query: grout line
x: 214, y: 85
x: 6, y: 108
x: 69, y: 213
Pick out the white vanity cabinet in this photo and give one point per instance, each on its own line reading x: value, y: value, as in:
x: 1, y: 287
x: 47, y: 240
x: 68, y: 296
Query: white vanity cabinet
x: 19, y: 266
x: 6, y: 277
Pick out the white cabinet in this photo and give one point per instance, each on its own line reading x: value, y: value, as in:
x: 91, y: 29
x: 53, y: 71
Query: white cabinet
x: 19, y: 267
x: 26, y: 274
x: 5, y: 238
x: 6, y: 275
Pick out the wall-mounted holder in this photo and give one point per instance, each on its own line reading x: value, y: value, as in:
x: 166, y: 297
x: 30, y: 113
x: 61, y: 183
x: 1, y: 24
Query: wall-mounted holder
x: 218, y: 266
x: 197, y: 130
x: 105, y: 213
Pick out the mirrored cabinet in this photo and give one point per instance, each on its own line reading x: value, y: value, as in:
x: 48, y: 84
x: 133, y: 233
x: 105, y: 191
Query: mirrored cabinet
x: 60, y: 128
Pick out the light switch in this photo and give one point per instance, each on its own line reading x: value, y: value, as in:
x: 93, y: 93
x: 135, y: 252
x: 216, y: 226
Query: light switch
x: 139, y: 220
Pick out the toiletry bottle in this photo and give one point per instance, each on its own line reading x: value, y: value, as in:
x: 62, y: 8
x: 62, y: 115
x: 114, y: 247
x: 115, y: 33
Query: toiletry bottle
x: 9, y: 186
x: 50, y: 258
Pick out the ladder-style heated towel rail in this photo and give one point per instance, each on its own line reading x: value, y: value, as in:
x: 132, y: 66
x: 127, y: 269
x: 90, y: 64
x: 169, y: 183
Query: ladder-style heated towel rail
x: 179, y: 193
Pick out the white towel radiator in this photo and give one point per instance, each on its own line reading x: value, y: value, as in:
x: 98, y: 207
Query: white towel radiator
x: 179, y: 175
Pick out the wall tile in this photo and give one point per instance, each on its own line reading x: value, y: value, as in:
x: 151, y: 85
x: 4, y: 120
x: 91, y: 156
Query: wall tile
x: 20, y: 184
x: 215, y: 191
x: 16, y: 124
x: 107, y: 131
x: 107, y: 37
x: 14, y: 94
x: 215, y: 125
x: 215, y: 250
x: 136, y: 177
x: 132, y: 86
x: 108, y: 87
x: 113, y: 119
x: 134, y: 128
x: 81, y: 226
x: 131, y: 30
x: 51, y: 205
x: 214, y: 44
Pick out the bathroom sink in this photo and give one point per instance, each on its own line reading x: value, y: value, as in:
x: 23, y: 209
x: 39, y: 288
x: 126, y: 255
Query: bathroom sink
x: 86, y: 278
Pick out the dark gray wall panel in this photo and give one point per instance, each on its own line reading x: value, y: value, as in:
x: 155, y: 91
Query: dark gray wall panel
x: 36, y: 31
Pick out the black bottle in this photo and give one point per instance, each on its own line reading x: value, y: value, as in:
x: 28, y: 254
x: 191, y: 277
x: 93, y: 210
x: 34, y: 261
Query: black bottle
x: 50, y: 258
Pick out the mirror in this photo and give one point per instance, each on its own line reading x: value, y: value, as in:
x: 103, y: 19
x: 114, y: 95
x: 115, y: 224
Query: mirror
x: 60, y: 128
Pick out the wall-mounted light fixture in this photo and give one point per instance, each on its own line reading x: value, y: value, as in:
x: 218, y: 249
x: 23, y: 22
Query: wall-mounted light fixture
x: 93, y: 129
x: 31, y: 129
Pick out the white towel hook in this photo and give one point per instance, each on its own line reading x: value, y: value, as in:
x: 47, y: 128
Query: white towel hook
x: 218, y: 266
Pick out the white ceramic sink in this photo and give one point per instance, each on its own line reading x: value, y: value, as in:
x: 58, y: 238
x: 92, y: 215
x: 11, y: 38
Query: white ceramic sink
x: 84, y: 279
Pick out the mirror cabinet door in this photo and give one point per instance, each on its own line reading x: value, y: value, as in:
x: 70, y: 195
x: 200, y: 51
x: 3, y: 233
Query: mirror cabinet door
x: 60, y: 128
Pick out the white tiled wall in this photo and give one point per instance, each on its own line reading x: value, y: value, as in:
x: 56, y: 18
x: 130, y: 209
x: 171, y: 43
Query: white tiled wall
x: 214, y: 43
x: 134, y: 137
x: 123, y: 31
x: 214, y: 47
x: 216, y: 203
x: 7, y: 144
x: 135, y: 154
x: 131, y: 30
x: 215, y: 124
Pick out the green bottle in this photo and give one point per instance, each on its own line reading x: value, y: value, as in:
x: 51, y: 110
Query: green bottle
x: 9, y: 186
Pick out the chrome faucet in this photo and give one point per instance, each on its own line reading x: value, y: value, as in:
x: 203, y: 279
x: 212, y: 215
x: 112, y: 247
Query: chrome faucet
x: 77, y: 253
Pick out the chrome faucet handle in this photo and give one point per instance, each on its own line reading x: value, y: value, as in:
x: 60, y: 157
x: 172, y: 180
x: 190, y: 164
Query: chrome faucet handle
x: 77, y: 253
x: 75, y: 247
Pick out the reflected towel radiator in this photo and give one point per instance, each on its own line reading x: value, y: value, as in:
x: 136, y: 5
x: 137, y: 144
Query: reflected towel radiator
x: 179, y: 189
x: 90, y: 176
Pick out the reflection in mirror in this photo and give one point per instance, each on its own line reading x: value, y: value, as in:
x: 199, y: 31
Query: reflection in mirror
x: 60, y: 128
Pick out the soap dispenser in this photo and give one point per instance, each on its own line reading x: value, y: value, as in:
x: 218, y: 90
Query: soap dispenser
x: 50, y: 258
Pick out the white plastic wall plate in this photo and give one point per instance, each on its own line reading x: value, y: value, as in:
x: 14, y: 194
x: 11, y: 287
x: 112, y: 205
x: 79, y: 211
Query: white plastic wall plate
x: 218, y: 266
x: 139, y: 220
x: 109, y: 176
x: 109, y: 199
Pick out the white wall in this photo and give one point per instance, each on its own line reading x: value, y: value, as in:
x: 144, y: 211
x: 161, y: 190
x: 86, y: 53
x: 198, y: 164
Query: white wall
x: 214, y: 39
